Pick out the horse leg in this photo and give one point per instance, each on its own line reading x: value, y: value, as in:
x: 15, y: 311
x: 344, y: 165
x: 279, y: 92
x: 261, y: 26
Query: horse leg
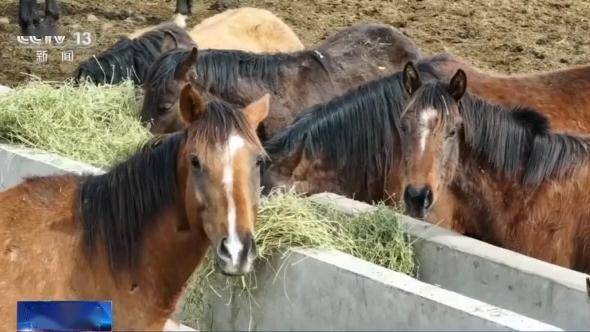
x: 221, y: 5
x: 27, y: 16
x: 51, y: 17
x: 184, y: 7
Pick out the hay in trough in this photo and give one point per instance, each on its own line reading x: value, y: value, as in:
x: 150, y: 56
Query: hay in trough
x: 94, y: 124
x: 287, y: 221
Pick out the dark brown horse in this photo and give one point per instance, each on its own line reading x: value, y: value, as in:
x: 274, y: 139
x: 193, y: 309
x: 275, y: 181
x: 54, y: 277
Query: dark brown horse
x: 349, y: 145
x: 295, y: 80
x: 510, y: 180
x: 561, y: 95
x: 136, y: 234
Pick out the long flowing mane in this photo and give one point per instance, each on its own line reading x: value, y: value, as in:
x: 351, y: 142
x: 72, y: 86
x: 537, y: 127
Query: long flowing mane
x: 354, y: 134
x: 515, y: 142
x: 220, y: 70
x: 518, y: 142
x: 128, y: 58
x: 116, y: 208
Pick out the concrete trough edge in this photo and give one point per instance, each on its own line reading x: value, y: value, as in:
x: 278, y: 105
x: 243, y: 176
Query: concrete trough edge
x: 501, y: 317
x: 562, y: 292
x: 325, y: 290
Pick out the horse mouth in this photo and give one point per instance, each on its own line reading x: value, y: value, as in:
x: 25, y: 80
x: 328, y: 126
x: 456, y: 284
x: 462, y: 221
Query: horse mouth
x: 233, y: 271
x: 418, y: 213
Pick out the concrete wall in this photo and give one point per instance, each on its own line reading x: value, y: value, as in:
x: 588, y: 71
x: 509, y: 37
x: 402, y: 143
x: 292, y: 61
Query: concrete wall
x: 494, y: 275
x: 17, y: 163
x: 330, y: 290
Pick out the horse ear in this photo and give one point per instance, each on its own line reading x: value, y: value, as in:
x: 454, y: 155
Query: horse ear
x: 257, y: 111
x: 169, y: 42
x: 191, y: 104
x: 411, y: 78
x: 189, y: 62
x: 458, y: 85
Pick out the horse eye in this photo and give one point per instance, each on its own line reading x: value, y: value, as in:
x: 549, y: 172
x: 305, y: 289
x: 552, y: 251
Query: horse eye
x: 195, y: 163
x: 259, y: 161
x: 164, y: 107
x: 452, y: 132
x: 405, y: 127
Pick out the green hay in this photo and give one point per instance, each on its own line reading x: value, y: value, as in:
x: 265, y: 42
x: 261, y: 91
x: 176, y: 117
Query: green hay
x: 287, y: 221
x: 94, y: 124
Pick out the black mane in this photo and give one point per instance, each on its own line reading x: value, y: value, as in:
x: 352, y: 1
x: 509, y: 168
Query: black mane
x: 128, y: 58
x: 354, y: 133
x: 516, y: 142
x: 219, y: 70
x: 117, y: 207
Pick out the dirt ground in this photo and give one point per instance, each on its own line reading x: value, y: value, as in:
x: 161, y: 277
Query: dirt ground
x: 501, y: 35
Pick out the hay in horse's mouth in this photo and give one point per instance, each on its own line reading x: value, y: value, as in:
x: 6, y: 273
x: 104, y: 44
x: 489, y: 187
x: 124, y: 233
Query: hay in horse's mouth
x: 286, y: 221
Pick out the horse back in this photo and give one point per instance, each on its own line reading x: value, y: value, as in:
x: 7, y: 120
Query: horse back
x: 374, y: 49
x: 246, y: 29
x: 561, y: 95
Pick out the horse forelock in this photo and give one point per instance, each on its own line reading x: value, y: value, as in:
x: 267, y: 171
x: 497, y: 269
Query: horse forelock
x: 218, y: 123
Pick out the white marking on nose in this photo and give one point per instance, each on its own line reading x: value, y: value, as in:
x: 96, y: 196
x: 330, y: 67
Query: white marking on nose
x: 425, y: 118
x: 233, y: 244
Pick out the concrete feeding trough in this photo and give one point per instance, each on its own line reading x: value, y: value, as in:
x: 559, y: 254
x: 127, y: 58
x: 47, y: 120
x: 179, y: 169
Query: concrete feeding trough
x: 462, y: 283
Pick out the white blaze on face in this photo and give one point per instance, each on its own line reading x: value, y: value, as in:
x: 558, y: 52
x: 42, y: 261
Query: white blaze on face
x: 425, y: 118
x: 233, y: 244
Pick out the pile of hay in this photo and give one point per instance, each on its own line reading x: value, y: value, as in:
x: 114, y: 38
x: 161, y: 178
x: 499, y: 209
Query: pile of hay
x: 287, y: 221
x: 99, y: 125
x: 94, y: 124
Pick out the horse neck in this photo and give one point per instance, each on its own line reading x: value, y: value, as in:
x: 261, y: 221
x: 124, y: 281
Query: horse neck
x: 168, y: 260
x: 496, y: 206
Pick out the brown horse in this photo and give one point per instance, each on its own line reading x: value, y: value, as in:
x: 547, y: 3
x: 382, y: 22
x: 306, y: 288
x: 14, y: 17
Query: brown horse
x: 295, y: 80
x: 135, y: 234
x: 516, y: 184
x: 247, y: 29
x: 349, y: 145
x: 562, y: 95
x: 333, y: 161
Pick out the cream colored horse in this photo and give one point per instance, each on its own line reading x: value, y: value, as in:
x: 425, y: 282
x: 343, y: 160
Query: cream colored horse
x: 245, y: 29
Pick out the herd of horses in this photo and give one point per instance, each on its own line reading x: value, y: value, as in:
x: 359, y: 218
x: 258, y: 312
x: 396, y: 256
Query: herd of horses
x: 505, y: 159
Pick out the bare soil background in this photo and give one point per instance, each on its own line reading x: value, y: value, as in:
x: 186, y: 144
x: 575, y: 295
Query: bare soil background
x: 500, y: 35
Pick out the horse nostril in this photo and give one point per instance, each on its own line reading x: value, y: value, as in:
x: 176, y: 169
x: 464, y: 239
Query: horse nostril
x: 427, y: 197
x: 418, y: 196
x: 222, y: 250
x: 253, y: 251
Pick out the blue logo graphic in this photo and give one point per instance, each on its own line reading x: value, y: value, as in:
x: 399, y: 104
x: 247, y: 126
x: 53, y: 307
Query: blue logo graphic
x: 64, y: 316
